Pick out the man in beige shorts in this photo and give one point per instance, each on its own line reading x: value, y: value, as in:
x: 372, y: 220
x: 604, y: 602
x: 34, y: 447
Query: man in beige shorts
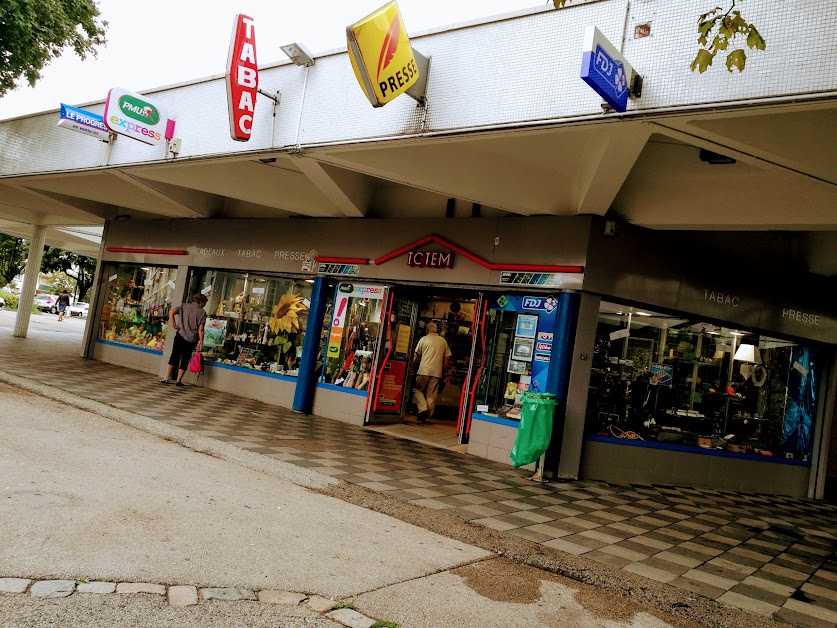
x: 431, y: 355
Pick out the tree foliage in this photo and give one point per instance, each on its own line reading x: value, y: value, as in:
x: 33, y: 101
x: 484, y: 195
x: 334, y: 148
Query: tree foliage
x: 33, y: 32
x: 79, y: 267
x: 13, y: 253
x: 717, y: 31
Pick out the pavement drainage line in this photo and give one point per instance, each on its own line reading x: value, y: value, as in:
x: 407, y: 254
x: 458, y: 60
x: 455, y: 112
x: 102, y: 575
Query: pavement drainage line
x: 467, y: 563
x: 185, y: 438
x: 682, y: 603
x: 181, y: 596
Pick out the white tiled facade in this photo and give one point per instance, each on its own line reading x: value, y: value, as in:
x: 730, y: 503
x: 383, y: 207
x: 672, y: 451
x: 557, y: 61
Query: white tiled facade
x: 520, y: 69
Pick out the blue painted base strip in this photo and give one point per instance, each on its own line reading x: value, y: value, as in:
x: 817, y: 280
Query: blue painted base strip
x: 693, y: 450
x: 350, y: 391
x: 110, y: 343
x: 495, y: 419
x: 241, y: 369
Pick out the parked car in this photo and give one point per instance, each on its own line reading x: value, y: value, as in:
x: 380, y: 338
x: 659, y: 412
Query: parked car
x: 47, y: 303
x: 2, y: 303
x: 79, y: 309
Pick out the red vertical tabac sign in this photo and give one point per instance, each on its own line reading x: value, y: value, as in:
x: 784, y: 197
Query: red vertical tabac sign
x: 242, y: 78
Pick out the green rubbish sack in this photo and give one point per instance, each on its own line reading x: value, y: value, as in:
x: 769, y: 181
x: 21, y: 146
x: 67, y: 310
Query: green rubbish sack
x: 535, y: 430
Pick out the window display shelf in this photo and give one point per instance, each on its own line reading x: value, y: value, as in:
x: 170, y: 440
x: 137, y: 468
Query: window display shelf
x: 694, y: 450
x: 251, y: 371
x: 350, y: 391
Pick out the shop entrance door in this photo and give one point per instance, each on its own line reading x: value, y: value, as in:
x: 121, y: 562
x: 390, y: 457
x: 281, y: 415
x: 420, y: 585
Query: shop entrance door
x: 475, y: 369
x: 389, y: 393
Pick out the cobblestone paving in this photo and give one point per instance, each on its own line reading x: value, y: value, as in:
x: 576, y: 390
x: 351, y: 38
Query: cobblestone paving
x: 774, y: 556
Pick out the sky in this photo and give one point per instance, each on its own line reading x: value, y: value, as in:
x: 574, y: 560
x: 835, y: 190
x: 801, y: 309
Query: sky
x: 160, y: 42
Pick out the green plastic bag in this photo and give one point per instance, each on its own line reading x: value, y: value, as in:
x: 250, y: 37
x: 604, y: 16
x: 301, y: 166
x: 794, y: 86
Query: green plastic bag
x: 535, y: 431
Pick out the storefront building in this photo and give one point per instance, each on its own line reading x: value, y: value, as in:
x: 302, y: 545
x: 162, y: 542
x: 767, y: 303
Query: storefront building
x: 668, y: 369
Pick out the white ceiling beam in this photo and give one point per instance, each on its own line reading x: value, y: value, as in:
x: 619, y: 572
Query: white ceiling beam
x: 603, y: 176
x: 351, y: 192
x: 700, y: 141
x: 47, y: 205
x: 181, y: 208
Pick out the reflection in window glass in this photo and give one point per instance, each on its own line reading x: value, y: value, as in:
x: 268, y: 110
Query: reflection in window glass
x: 668, y: 379
x: 137, y: 303
x: 355, y: 321
x: 254, y: 322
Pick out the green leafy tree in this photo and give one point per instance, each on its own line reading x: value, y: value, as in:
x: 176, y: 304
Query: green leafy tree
x: 60, y: 281
x: 79, y: 267
x: 33, y: 32
x: 719, y: 32
x: 13, y: 252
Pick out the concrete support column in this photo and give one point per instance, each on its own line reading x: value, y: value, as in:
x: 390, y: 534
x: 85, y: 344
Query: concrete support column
x: 582, y: 361
x: 30, y: 281
x: 561, y: 359
x: 306, y: 382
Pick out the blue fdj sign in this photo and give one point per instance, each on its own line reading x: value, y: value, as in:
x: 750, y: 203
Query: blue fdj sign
x: 546, y: 304
x: 607, y: 76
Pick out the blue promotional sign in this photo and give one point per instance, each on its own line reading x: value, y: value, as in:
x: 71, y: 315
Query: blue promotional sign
x: 544, y: 331
x: 85, y: 122
x: 605, y: 70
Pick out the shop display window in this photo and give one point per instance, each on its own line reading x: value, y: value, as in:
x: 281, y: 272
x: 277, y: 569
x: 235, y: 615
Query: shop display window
x: 670, y: 379
x: 354, y: 320
x: 509, y: 362
x: 137, y: 303
x: 254, y: 321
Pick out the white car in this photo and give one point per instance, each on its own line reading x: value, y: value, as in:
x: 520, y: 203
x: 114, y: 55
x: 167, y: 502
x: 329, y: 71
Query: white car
x: 47, y: 303
x: 2, y: 302
x: 79, y: 309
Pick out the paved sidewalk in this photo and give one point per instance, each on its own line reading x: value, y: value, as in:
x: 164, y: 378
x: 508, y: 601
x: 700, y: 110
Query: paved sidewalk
x: 774, y: 556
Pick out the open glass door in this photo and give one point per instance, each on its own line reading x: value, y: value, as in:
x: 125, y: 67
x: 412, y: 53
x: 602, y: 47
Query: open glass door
x: 475, y: 370
x: 387, y: 402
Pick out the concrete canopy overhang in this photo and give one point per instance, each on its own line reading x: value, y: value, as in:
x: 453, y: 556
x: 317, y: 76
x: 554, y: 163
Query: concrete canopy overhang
x: 642, y: 169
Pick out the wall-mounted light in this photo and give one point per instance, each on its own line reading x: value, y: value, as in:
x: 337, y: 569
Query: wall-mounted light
x: 298, y: 54
x: 715, y: 159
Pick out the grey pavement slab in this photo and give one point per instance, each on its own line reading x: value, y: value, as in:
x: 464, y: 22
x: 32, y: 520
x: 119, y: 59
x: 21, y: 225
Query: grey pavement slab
x: 498, y: 593
x: 52, y: 588
x: 351, y: 618
x: 183, y: 595
x: 14, y: 585
x: 280, y: 597
x: 96, y: 587
x: 228, y: 594
x: 177, y: 516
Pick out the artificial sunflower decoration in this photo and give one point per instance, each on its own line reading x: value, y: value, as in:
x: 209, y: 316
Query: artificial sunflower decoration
x: 285, y: 313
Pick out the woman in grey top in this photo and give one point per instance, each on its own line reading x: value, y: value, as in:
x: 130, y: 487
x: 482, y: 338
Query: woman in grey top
x: 189, y: 337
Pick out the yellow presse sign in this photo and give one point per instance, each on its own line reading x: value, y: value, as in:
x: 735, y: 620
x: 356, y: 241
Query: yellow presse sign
x: 381, y: 55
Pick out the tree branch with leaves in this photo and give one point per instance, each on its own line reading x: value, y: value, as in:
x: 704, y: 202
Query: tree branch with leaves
x: 717, y: 31
x: 33, y: 32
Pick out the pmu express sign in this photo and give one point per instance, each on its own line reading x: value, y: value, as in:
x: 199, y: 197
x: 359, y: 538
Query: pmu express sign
x: 381, y: 55
x: 242, y: 78
x: 136, y: 116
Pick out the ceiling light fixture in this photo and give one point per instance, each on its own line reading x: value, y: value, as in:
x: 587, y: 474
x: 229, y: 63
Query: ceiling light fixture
x: 715, y: 159
x: 298, y: 55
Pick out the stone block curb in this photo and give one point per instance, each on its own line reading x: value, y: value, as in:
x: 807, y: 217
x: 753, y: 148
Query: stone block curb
x: 181, y: 596
x: 141, y: 587
x: 14, y: 585
x: 351, y: 618
x: 53, y: 588
x: 280, y: 597
x: 229, y: 594
x: 321, y: 604
x: 96, y: 587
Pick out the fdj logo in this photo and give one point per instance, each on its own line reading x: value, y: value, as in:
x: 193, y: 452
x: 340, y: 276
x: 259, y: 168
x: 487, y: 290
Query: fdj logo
x: 139, y: 110
x: 539, y: 303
